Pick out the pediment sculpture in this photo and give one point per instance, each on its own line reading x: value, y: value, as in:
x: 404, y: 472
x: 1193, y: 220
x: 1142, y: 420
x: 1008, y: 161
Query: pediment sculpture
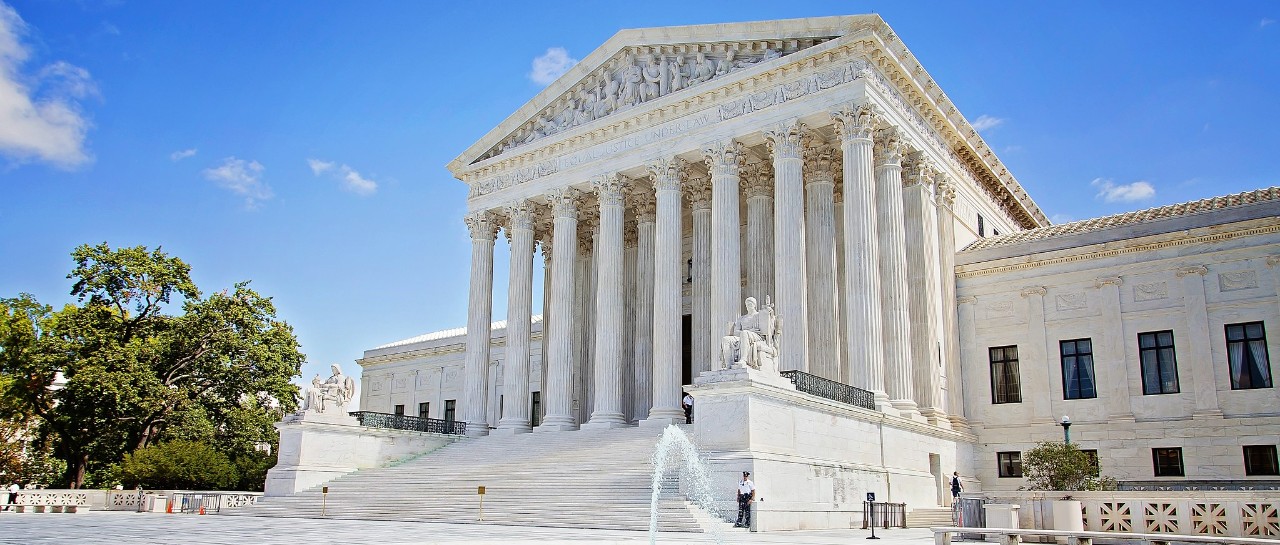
x: 753, y: 339
x: 335, y: 392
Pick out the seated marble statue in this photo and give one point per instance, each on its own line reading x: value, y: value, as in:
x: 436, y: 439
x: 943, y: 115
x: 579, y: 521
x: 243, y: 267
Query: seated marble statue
x: 338, y: 389
x: 752, y: 340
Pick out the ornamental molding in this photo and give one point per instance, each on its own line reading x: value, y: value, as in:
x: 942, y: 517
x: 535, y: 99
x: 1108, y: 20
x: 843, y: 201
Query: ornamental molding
x: 868, y: 50
x: 962, y: 271
x: 1190, y: 270
x: 1034, y: 290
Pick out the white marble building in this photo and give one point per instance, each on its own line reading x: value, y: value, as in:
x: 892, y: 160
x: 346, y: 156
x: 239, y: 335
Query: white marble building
x: 814, y: 163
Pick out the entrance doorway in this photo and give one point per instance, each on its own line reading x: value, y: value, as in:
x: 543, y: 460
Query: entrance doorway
x: 686, y: 349
x: 939, y: 480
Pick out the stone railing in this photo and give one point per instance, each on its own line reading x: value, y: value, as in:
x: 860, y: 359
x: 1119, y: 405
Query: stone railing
x: 411, y: 423
x: 94, y: 499
x: 1203, y: 513
x: 830, y: 389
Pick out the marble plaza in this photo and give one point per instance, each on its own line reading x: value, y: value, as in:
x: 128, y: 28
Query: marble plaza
x: 909, y: 310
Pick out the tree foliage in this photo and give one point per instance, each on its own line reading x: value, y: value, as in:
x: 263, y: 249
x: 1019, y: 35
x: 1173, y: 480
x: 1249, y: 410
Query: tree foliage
x: 1062, y: 466
x: 116, y: 372
x: 182, y: 465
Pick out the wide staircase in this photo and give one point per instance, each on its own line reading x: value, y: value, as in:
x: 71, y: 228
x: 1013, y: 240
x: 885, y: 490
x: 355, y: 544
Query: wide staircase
x: 929, y: 517
x: 579, y: 479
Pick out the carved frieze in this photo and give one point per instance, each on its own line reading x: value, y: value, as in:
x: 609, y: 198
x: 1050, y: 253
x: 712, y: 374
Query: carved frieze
x: 1150, y: 291
x: 1237, y: 280
x: 999, y: 309
x: 1070, y: 301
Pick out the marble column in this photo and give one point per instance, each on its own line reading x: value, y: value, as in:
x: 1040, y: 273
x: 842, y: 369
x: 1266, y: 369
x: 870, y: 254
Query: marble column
x: 953, y: 396
x: 789, y: 267
x: 667, y: 286
x: 1112, y: 381
x: 842, y: 302
x: 1038, y: 352
x: 820, y: 260
x: 607, y: 412
x: 863, y: 335
x: 726, y: 239
x: 645, y: 256
x: 479, y: 317
x: 1203, y: 382
x: 921, y: 225
x: 893, y: 271
x: 557, y: 348
x: 515, y: 379
x: 544, y: 245
x: 758, y: 184
x: 584, y: 305
x: 630, y: 258
x: 699, y: 190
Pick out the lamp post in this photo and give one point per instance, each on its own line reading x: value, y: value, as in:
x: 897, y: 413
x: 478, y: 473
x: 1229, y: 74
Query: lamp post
x: 1066, y: 429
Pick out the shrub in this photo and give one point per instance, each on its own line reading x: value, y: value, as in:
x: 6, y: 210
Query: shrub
x: 181, y: 465
x: 1062, y: 466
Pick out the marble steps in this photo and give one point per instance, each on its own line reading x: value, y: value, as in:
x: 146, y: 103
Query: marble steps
x: 596, y: 479
x: 929, y: 517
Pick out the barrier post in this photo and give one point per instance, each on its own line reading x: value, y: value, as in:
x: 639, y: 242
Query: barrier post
x: 480, y: 491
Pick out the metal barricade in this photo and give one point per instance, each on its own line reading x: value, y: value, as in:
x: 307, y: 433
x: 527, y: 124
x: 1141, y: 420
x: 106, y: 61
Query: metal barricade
x: 884, y: 515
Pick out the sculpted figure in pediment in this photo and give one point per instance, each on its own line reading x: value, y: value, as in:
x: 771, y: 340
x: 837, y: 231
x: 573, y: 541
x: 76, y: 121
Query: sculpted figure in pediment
x: 608, y: 98
x: 652, y: 79
x: 586, y: 108
x: 702, y: 70
x: 679, y: 73
x: 727, y: 65
x: 631, y: 86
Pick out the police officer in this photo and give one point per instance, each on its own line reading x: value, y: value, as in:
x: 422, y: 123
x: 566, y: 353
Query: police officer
x: 746, y: 494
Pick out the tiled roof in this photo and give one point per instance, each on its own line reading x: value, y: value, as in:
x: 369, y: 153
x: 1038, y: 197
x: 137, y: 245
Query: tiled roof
x: 1128, y: 218
x: 446, y: 333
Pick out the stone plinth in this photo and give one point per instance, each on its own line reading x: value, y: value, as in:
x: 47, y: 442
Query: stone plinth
x: 316, y: 448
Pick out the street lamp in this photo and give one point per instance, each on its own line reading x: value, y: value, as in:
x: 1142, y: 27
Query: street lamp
x: 1066, y: 429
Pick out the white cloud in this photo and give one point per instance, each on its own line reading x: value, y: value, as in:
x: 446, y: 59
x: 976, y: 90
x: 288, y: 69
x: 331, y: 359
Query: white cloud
x: 1058, y: 219
x: 984, y: 122
x: 1266, y: 22
x: 318, y: 166
x: 241, y: 177
x: 182, y: 154
x: 350, y: 179
x: 40, y: 116
x: 1110, y: 192
x: 551, y: 65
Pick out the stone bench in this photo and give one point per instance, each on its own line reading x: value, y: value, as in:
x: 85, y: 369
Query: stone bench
x: 1012, y: 536
x: 49, y: 507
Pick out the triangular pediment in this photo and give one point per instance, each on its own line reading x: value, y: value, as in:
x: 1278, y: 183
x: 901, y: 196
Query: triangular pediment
x: 640, y: 65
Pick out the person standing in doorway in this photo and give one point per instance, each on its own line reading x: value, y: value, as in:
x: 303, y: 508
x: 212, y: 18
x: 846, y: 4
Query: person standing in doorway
x: 956, y: 486
x: 746, y: 495
x: 687, y: 403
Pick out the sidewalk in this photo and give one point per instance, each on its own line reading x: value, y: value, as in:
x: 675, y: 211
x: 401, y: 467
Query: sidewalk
x: 124, y: 528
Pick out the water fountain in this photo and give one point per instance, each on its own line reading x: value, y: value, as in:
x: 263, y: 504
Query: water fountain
x: 674, y: 447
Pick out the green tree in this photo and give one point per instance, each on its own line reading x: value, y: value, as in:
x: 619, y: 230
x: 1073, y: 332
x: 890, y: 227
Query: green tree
x: 1062, y: 466
x: 188, y: 465
x: 110, y: 374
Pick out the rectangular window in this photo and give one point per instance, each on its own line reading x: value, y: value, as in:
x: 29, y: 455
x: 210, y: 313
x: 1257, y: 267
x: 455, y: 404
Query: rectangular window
x: 982, y: 226
x: 535, y: 408
x: 1010, y: 463
x: 1247, y: 356
x: 1092, y: 454
x: 450, y: 409
x: 399, y: 410
x: 424, y: 409
x: 1005, y: 385
x: 1167, y: 461
x: 500, y: 406
x: 1159, y: 368
x: 1077, y: 369
x: 1260, y: 460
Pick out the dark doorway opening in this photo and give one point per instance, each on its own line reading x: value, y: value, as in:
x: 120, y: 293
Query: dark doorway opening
x: 686, y: 349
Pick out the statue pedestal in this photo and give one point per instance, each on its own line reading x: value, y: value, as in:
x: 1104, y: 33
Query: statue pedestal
x: 316, y: 448
x: 745, y: 375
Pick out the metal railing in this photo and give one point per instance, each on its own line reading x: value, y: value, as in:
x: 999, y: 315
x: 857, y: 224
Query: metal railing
x: 884, y: 515
x: 404, y: 422
x: 830, y: 389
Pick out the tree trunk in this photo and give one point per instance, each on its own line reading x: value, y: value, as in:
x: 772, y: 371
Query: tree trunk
x: 79, y: 465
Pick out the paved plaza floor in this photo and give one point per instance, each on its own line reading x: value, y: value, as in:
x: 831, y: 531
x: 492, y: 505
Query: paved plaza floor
x: 120, y: 528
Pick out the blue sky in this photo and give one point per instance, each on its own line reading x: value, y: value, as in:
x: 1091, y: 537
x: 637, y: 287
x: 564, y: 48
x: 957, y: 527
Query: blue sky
x: 302, y: 145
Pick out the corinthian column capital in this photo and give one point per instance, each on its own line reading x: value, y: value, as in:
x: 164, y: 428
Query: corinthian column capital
x: 856, y: 121
x: 608, y: 188
x: 919, y: 170
x: 757, y: 179
x: 644, y: 203
x: 889, y: 148
x: 784, y: 139
x: 819, y: 161
x: 519, y: 215
x: 565, y: 202
x: 698, y: 190
x: 482, y: 224
x: 945, y: 189
x: 665, y: 173
x: 724, y: 158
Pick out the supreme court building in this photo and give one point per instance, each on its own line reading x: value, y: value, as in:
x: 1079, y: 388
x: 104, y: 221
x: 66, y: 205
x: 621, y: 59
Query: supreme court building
x: 815, y: 165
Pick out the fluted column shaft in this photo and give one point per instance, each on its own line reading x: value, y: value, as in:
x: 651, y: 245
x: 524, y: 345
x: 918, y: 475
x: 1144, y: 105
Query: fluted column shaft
x: 789, y: 244
x: 515, y: 379
x: 893, y: 270
x: 607, y: 412
x: 479, y: 317
x: 700, y: 305
x: 558, y: 347
x: 645, y: 254
x: 953, y: 396
x: 667, y: 274
x: 820, y: 236
x: 760, y: 235
x: 863, y: 335
x: 923, y: 281
x: 726, y: 237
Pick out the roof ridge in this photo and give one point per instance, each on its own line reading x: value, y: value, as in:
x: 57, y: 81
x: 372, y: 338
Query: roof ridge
x: 452, y: 332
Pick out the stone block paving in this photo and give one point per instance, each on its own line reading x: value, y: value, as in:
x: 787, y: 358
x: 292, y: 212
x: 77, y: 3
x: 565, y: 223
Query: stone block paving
x: 119, y: 528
